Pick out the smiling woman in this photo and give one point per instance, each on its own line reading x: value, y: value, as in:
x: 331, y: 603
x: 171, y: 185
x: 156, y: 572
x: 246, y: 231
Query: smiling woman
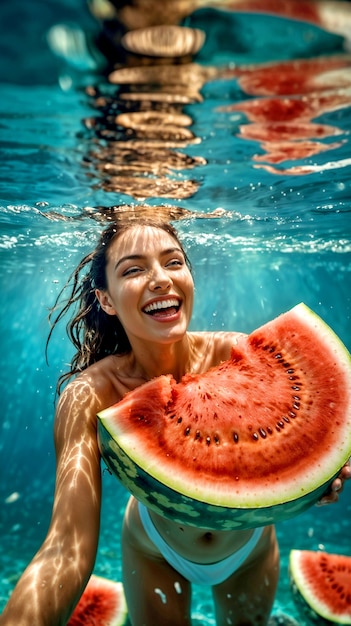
x: 95, y: 330
x: 149, y: 286
x: 258, y: 185
x: 135, y: 297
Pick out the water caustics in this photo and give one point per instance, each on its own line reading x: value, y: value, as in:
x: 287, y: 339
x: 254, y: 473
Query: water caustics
x: 232, y: 119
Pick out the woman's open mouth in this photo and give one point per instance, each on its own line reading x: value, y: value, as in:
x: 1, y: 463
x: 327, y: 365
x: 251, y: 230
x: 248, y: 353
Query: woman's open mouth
x: 163, y: 308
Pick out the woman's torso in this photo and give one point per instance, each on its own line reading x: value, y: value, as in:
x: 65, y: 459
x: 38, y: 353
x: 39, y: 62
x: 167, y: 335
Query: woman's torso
x: 197, y: 544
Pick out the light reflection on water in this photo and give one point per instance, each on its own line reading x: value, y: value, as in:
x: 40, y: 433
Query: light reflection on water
x: 284, y: 236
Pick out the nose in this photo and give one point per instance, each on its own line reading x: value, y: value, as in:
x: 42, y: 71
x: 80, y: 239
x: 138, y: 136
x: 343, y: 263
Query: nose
x: 160, y: 279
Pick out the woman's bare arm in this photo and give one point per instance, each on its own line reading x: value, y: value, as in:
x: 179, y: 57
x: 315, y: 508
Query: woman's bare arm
x: 50, y: 587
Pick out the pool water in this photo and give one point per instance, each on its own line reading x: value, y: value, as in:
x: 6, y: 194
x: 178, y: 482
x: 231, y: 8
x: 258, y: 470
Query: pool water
x: 269, y: 199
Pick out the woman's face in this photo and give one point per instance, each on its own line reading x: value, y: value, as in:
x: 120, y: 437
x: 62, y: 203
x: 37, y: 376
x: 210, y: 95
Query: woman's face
x: 149, y: 285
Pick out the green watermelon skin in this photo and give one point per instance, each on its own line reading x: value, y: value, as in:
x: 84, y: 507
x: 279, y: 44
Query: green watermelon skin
x: 236, y: 497
x: 321, y: 586
x: 185, y: 510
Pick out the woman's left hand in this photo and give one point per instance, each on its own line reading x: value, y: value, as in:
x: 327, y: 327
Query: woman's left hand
x: 332, y: 495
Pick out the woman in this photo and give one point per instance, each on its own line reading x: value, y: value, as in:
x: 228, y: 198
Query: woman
x: 135, y: 305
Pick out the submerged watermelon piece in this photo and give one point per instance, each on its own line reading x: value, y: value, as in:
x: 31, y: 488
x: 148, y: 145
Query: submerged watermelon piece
x: 102, y: 603
x: 255, y: 440
x: 321, y: 585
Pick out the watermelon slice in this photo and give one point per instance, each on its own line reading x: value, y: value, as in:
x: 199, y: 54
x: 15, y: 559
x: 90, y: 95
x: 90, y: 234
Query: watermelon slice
x: 102, y: 603
x: 321, y: 585
x: 252, y: 441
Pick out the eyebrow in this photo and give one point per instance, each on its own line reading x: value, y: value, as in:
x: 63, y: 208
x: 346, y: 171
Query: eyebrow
x: 138, y: 257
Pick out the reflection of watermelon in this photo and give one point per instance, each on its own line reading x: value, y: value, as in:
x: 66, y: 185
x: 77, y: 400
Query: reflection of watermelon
x: 321, y: 585
x: 102, y: 603
x: 254, y: 440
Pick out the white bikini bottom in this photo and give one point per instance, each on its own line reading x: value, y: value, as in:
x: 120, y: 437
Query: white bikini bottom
x: 198, y: 573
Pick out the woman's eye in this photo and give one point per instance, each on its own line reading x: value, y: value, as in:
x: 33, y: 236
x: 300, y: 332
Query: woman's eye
x: 175, y: 262
x: 132, y: 270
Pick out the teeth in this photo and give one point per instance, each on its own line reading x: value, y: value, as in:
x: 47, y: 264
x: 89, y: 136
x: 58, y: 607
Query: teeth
x: 161, y: 304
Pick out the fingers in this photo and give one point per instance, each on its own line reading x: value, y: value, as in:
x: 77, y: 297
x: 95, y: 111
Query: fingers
x: 346, y: 471
x: 336, y: 487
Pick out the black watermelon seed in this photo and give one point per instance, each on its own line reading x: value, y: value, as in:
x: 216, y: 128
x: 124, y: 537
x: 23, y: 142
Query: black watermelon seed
x: 278, y: 356
x: 187, y: 431
x: 197, y: 434
x: 208, y: 440
x: 290, y: 371
x: 295, y: 388
x: 262, y: 433
x: 280, y: 424
x: 236, y: 437
x: 179, y: 420
x: 292, y: 414
x: 286, y: 419
x: 296, y: 405
x: 255, y: 436
x: 216, y: 439
x: 269, y: 430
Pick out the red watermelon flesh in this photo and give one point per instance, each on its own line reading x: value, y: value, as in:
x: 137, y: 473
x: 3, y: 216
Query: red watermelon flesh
x: 321, y: 584
x: 102, y: 604
x: 254, y: 440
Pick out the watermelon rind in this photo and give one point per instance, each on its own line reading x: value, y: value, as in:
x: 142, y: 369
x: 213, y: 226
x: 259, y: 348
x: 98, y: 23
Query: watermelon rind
x: 103, y: 602
x: 192, y: 511
x: 319, y: 594
x: 211, y: 505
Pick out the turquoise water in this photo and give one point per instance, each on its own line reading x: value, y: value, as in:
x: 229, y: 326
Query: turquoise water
x: 283, y: 234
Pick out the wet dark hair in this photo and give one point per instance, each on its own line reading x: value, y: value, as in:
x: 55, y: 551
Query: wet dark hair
x: 94, y: 333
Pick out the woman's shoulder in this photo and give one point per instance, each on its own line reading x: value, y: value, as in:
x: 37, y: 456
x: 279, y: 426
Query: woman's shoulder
x: 99, y: 385
x: 217, y: 337
x: 216, y: 345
